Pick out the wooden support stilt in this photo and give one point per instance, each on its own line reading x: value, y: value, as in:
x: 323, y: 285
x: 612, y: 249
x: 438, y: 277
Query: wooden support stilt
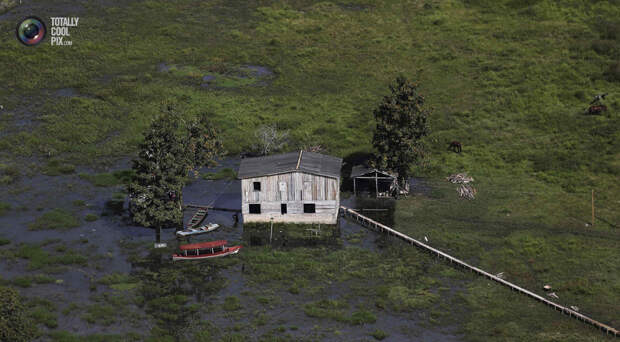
x: 376, y: 185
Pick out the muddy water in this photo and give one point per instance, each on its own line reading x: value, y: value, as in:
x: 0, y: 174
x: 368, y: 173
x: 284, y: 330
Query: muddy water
x: 41, y: 193
x: 43, y: 9
x: 286, y: 310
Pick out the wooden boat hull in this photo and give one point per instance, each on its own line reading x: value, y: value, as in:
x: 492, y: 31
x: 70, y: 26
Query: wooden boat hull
x: 228, y: 251
x: 183, y: 233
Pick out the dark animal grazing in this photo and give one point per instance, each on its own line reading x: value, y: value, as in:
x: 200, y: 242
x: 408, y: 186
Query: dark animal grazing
x: 598, y: 97
x: 455, y: 146
x: 596, y: 109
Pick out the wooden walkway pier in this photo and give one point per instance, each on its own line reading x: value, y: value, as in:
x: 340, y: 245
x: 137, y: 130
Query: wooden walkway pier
x: 454, y: 261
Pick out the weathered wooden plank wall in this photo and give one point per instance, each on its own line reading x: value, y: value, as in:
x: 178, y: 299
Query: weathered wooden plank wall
x: 293, y: 189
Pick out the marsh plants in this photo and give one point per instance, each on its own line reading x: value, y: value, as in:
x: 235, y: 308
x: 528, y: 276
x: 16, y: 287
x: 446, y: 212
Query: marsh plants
x: 509, y: 79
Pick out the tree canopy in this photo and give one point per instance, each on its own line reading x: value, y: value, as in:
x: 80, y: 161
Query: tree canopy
x: 402, y: 122
x: 13, y: 323
x: 172, y: 148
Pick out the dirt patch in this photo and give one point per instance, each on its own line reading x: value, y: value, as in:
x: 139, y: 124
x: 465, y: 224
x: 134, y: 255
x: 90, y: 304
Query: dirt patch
x: 163, y: 67
x: 420, y: 186
x: 220, y: 77
x: 66, y: 92
x: 354, y: 7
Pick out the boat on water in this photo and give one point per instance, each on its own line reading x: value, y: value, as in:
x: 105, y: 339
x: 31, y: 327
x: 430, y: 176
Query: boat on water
x: 205, y: 250
x: 198, y: 230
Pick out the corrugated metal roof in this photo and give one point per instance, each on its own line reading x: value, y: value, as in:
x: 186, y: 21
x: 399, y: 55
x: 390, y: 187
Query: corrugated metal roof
x: 361, y: 170
x: 314, y: 163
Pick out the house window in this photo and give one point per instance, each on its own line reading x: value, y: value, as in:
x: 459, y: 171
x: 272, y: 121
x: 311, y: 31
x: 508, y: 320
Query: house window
x: 283, y: 209
x: 254, y: 208
x: 309, y: 208
x: 256, y: 186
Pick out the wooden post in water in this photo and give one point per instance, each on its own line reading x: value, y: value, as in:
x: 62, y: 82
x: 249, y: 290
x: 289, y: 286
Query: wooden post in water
x: 271, y: 231
x: 376, y: 184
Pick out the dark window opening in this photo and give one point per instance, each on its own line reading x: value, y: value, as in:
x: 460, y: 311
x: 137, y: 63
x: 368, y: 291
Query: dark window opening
x: 254, y: 208
x: 283, y: 208
x: 309, y: 208
x: 256, y: 186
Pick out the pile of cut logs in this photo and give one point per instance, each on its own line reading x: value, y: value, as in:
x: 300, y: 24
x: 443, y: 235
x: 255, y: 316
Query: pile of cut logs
x: 464, y: 190
x: 460, y: 178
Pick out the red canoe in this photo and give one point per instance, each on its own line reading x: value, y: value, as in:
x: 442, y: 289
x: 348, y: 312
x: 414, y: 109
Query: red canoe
x: 205, y: 250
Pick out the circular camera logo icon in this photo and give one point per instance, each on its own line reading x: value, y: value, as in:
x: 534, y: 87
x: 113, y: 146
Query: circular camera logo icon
x: 31, y: 31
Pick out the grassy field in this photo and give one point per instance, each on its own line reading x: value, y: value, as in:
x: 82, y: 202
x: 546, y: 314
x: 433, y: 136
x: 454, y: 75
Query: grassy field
x: 509, y: 79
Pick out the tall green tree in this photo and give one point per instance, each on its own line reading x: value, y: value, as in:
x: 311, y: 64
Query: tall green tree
x: 14, y: 326
x: 172, y: 148
x: 402, y: 122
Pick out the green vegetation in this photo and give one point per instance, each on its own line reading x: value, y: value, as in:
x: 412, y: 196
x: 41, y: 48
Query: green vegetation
x: 64, y: 336
x: 362, y: 317
x: 308, y: 271
x: 39, y: 258
x: 15, y: 325
x: 4, y: 241
x: 509, y: 79
x: 336, y: 310
x: 116, y: 203
x: 73, y: 307
x: 290, y: 234
x: 26, y: 281
x: 332, y: 309
x: 101, y: 314
x: 225, y: 173
x: 9, y: 174
x: 379, y: 335
x: 534, y: 243
x: 165, y: 158
x: 6, y: 5
x: 232, y: 303
x: 4, y: 208
x: 109, y: 179
x: 216, y: 77
x: 402, y: 123
x: 401, y: 298
x: 79, y: 203
x: 56, y: 219
x: 43, y: 311
x: 57, y: 168
x: 119, y: 281
x: 115, y: 278
x: 165, y: 289
x: 110, y: 308
x: 91, y: 217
